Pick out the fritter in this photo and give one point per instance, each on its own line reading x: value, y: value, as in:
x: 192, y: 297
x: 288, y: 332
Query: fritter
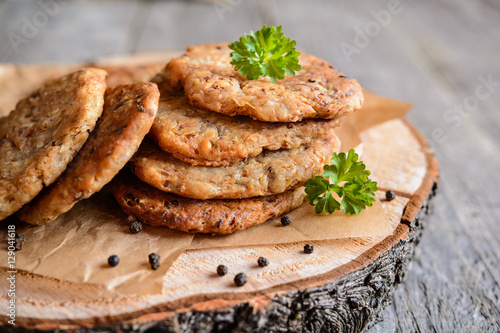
x: 201, y: 137
x: 129, y: 111
x: 44, y: 132
x: 318, y: 90
x: 271, y: 172
x: 157, y: 208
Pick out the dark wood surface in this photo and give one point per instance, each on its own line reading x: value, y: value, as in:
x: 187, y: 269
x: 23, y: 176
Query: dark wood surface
x: 435, y: 54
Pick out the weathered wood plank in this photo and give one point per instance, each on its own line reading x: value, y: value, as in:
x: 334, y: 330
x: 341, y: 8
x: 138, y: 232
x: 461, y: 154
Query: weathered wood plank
x: 9, y: 11
x: 66, y: 31
x: 173, y: 25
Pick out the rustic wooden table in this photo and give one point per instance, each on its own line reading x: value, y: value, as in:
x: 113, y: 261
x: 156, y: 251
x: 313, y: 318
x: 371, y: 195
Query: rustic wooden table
x: 441, y: 56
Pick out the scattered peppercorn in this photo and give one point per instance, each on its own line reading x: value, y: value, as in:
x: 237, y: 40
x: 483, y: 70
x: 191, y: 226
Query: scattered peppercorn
x: 154, y: 260
x: 312, y: 81
x: 263, y: 262
x: 240, y: 279
x: 136, y: 227
x: 308, y: 248
x: 113, y: 260
x: 153, y: 257
x: 221, y: 270
x: 155, y: 265
x: 285, y: 220
x: 390, y: 195
x: 19, y: 239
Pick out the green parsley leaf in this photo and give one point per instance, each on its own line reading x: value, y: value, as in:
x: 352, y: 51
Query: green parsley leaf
x: 357, y: 190
x: 358, y: 195
x: 266, y: 52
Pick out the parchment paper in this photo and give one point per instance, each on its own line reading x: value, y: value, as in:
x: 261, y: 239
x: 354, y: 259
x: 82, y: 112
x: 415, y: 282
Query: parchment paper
x: 306, y: 225
x: 76, y: 246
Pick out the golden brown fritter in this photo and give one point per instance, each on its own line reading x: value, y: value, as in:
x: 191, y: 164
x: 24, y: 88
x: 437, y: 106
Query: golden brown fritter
x: 201, y: 137
x: 269, y: 173
x: 44, y: 132
x: 160, y: 209
x: 129, y: 111
x: 210, y: 82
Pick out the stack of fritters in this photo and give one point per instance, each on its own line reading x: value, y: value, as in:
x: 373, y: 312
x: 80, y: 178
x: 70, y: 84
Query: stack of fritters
x: 226, y: 153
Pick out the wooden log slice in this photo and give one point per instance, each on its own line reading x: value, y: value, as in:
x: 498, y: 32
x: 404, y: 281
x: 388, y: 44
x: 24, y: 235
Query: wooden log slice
x: 342, y: 287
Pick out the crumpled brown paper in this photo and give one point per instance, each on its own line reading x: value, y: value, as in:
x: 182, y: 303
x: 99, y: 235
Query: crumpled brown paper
x: 305, y: 226
x: 76, y: 246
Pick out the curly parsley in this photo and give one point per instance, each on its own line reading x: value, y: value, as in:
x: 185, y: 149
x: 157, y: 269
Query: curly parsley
x: 357, y: 190
x: 266, y: 52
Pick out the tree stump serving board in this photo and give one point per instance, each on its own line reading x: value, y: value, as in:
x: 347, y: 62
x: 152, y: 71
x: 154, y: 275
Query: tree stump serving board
x: 342, y: 287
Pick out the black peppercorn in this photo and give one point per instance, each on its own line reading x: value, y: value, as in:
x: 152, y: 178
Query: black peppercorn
x: 154, y: 260
x: 136, y: 227
x: 221, y: 270
x: 390, y: 195
x: 285, y: 220
x: 19, y: 239
x: 240, y: 279
x: 154, y: 257
x: 308, y: 248
x: 263, y: 262
x: 155, y: 265
x: 113, y: 260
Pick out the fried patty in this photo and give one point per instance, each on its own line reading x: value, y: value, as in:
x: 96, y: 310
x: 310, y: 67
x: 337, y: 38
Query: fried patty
x: 201, y: 137
x: 271, y: 172
x: 318, y: 90
x: 44, y: 132
x: 161, y: 209
x: 129, y: 111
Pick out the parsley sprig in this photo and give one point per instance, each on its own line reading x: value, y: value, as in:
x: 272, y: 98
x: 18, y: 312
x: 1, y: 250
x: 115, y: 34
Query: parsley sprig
x: 357, y: 190
x: 266, y: 52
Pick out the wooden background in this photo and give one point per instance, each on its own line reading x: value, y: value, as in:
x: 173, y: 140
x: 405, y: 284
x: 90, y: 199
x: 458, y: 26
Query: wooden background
x: 443, y: 56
